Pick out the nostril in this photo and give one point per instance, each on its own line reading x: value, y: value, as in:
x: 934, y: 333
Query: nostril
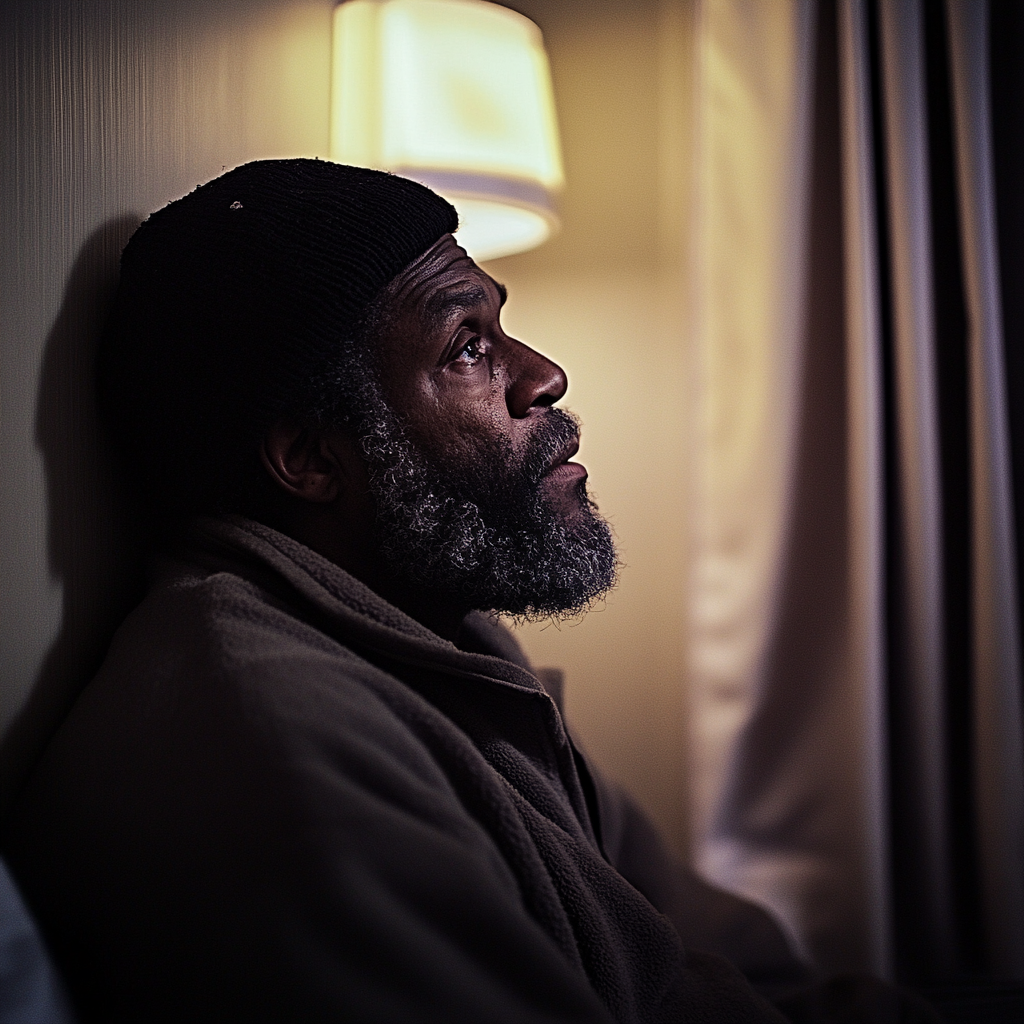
x: 535, y: 382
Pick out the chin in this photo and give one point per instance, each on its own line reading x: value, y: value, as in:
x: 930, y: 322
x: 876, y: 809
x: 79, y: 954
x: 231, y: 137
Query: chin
x: 568, y: 503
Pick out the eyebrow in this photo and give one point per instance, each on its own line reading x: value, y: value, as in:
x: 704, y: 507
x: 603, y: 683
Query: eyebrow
x: 440, y: 303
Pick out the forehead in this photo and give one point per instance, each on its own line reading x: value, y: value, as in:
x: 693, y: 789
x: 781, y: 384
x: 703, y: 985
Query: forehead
x: 443, y: 278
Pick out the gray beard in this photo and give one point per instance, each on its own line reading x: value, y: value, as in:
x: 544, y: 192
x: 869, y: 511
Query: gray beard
x: 484, y: 536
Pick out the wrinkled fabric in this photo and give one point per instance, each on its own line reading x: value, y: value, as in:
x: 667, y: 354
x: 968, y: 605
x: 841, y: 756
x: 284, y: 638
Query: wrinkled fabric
x: 281, y: 798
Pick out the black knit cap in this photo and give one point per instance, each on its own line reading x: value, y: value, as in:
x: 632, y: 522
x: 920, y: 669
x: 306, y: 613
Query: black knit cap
x: 231, y: 297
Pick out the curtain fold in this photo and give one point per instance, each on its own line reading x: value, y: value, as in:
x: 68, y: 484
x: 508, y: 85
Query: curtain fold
x: 999, y: 782
x: 867, y: 781
x: 753, y: 68
x: 916, y: 696
x: 865, y: 411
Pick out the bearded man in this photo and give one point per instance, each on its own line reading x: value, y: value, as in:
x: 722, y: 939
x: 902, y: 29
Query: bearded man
x: 315, y: 779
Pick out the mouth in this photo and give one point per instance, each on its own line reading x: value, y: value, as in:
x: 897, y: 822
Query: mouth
x: 561, y: 468
x: 563, y: 455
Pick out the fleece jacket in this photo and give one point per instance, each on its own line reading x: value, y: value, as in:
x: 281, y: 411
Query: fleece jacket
x: 283, y: 799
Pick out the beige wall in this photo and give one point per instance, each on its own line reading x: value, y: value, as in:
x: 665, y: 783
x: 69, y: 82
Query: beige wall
x: 113, y: 108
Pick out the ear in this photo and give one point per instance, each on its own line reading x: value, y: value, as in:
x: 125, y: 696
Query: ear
x: 303, y: 462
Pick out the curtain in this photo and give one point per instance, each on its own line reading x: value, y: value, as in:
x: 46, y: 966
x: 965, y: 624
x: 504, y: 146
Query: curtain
x: 857, y: 734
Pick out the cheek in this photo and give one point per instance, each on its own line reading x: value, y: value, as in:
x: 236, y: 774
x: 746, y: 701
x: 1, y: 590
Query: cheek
x: 457, y: 425
x: 464, y: 434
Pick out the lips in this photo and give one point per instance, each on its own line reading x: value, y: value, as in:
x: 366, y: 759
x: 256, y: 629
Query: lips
x: 564, y: 455
x: 563, y: 473
x: 555, y: 441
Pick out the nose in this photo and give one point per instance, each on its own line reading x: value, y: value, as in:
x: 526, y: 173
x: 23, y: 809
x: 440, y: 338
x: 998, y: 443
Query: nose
x: 534, y: 381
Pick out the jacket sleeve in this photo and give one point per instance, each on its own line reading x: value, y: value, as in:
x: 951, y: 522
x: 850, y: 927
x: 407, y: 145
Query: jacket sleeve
x: 707, y: 918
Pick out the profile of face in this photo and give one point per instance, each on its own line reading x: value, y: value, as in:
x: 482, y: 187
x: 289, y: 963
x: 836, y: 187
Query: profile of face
x: 476, y: 499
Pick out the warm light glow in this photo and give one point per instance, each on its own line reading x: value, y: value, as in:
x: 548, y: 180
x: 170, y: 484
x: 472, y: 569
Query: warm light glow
x: 456, y: 94
x: 492, y: 229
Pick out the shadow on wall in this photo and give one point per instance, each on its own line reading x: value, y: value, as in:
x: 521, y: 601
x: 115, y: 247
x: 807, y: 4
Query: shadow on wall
x: 93, y: 536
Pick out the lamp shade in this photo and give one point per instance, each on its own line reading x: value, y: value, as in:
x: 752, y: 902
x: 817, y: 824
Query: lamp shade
x: 457, y: 95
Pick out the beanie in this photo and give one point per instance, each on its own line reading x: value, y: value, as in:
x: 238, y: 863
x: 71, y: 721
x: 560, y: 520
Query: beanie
x: 232, y: 297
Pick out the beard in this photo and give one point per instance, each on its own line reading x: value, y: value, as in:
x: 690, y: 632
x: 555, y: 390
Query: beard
x: 485, y: 535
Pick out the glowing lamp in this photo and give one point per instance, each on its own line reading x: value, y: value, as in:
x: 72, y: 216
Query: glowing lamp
x: 455, y: 94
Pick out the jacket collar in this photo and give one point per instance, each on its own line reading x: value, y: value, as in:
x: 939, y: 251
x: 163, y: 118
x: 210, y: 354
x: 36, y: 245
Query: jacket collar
x: 349, y: 611
x: 320, y: 593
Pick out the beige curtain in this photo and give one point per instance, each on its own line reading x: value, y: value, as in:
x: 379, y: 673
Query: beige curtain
x: 854, y: 675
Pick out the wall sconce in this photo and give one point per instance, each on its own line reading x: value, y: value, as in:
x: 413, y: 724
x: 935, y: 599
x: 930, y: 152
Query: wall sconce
x: 455, y: 94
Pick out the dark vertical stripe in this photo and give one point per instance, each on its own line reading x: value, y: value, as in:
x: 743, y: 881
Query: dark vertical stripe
x: 902, y: 792
x: 916, y: 957
x: 955, y: 462
x: 1006, y: 41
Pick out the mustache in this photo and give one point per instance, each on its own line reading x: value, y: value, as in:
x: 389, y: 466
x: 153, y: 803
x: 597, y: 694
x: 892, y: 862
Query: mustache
x: 553, y: 441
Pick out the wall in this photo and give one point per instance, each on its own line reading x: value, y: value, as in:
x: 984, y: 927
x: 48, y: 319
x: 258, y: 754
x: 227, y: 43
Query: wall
x: 112, y: 109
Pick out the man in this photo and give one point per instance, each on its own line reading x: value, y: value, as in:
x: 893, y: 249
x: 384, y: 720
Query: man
x: 313, y: 779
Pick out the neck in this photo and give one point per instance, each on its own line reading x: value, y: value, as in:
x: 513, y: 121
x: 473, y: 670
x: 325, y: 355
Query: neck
x: 345, y: 537
x: 443, y: 619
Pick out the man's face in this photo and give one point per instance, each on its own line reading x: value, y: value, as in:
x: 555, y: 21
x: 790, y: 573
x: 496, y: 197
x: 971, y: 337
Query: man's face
x: 462, y: 386
x: 469, y: 463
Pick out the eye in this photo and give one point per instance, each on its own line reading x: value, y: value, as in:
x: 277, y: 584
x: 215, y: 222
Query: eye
x: 471, y: 352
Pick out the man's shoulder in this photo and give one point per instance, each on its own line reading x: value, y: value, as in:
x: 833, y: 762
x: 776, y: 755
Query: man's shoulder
x: 219, y: 714
x: 211, y: 678
x: 224, y: 624
x: 205, y: 644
